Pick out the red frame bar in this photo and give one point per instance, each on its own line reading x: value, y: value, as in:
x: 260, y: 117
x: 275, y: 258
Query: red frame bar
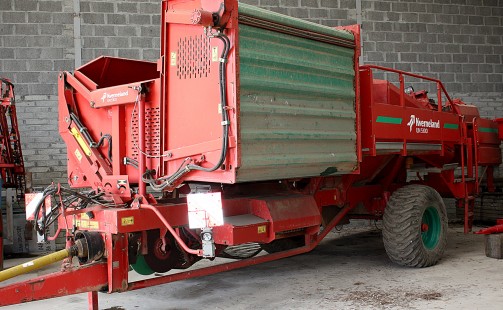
x: 141, y: 145
x: 92, y: 300
x: 241, y: 263
x: 440, y: 86
x: 95, y: 277
x: 89, y: 278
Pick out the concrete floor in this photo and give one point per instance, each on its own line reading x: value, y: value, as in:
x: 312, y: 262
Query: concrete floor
x: 349, y: 270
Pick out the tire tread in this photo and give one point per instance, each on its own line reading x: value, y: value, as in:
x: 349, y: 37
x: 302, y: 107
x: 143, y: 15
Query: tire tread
x: 402, y: 226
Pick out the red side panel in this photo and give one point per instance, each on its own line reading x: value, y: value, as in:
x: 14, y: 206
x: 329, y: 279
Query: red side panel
x: 192, y: 87
x: 488, y: 142
x: 387, y: 125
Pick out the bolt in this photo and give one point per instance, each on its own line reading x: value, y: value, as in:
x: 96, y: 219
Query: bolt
x: 66, y: 119
x: 93, y: 104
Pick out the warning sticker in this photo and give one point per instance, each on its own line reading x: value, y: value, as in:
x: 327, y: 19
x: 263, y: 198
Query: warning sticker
x: 78, y: 155
x: 261, y: 229
x: 214, y: 54
x: 127, y: 221
x: 173, y: 58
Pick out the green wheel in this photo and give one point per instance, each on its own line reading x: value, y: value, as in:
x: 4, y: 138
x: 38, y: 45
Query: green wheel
x: 141, y: 266
x: 415, y: 226
x: 431, y: 228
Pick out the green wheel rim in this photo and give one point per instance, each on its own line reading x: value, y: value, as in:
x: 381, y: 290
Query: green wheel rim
x: 431, y: 228
x: 141, y: 266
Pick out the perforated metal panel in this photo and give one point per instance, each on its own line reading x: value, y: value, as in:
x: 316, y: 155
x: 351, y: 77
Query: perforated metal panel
x: 194, y: 57
x: 152, y: 133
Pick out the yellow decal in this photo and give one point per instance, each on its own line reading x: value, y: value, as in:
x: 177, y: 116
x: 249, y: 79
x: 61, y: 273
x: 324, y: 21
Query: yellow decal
x: 82, y: 223
x: 80, y: 140
x: 94, y: 225
x: 261, y: 229
x: 126, y: 221
x: 173, y: 58
x: 214, y: 53
x: 78, y: 155
x: 84, y: 216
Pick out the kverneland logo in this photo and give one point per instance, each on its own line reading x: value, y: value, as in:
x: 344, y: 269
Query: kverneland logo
x: 113, y: 97
x: 422, y: 124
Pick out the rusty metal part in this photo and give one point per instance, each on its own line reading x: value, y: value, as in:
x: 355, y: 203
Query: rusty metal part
x: 90, y: 245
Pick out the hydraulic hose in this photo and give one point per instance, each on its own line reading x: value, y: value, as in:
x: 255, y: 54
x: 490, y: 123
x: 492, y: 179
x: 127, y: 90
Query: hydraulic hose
x: 184, y: 167
x: 87, y: 136
x: 223, y: 98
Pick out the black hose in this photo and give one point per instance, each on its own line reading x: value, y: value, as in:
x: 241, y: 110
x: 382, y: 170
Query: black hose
x: 108, y: 137
x: 83, y: 130
x: 223, y: 98
x: 182, y: 170
x: 87, y: 136
x: 48, y: 218
x: 50, y: 190
x: 131, y: 162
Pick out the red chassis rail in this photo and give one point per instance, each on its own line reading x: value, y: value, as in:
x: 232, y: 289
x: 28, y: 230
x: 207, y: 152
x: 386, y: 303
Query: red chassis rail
x: 98, y: 276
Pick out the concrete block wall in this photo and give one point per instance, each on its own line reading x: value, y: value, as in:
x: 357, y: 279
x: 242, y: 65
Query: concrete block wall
x: 458, y: 41
x: 37, y: 41
x: 128, y: 29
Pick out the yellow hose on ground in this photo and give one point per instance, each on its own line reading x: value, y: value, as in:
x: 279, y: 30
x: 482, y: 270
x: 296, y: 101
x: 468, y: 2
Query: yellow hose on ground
x: 34, y: 264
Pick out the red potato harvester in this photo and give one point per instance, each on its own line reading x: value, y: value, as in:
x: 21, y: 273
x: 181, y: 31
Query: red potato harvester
x: 254, y: 131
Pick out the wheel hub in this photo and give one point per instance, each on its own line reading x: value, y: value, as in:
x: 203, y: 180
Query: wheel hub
x: 157, y: 259
x: 431, y: 228
x: 159, y: 252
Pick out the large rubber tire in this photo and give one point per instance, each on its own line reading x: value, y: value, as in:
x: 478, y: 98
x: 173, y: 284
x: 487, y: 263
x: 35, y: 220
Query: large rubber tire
x: 415, y: 226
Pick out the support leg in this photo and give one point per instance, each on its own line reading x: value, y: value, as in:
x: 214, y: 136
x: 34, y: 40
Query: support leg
x: 92, y: 299
x: 469, y: 204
